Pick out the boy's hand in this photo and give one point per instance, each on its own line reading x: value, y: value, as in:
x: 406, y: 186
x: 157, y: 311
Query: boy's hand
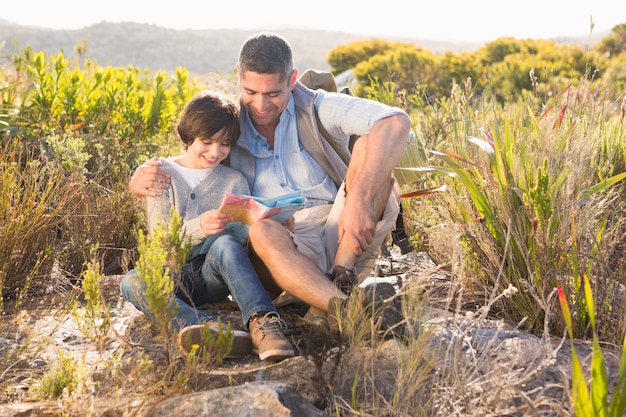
x: 213, y: 222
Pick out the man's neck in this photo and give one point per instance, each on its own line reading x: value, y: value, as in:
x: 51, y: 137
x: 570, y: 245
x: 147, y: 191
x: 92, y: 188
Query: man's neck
x: 268, y: 132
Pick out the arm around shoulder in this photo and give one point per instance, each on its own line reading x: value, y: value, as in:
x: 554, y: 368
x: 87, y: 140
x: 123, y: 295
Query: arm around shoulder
x: 149, y: 179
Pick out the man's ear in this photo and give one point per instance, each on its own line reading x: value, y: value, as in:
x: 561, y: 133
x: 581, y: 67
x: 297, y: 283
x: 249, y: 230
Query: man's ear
x: 293, y: 78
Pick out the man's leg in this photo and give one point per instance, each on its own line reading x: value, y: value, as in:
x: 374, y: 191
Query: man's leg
x: 345, y: 256
x: 227, y: 270
x: 299, y: 276
x: 347, y: 268
x: 290, y: 270
x: 227, y: 264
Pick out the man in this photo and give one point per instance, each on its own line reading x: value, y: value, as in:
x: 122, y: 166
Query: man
x: 350, y: 210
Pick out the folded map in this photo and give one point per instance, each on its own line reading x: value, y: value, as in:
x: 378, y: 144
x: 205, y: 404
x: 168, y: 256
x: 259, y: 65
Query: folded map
x: 248, y: 209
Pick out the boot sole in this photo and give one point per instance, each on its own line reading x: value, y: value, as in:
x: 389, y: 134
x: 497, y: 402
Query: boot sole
x: 275, y: 354
x: 242, y: 342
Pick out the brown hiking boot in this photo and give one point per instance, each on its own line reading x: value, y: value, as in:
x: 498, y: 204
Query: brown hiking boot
x: 195, y: 337
x: 316, y: 317
x: 268, y: 339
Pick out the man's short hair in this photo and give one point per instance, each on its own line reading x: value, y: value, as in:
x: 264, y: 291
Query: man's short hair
x: 266, y: 53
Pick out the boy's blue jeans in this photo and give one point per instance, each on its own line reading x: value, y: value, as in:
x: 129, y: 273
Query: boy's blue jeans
x: 225, y: 269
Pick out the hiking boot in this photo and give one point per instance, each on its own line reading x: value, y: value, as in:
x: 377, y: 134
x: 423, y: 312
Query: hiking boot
x: 381, y: 301
x: 194, y: 337
x: 378, y: 300
x: 336, y: 314
x: 316, y: 317
x: 344, y: 278
x: 268, y: 340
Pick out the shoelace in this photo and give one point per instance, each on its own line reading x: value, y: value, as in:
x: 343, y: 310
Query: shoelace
x: 272, y: 324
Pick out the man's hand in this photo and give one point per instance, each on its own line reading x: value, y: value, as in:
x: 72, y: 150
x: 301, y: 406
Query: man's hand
x: 356, y: 224
x: 149, y: 179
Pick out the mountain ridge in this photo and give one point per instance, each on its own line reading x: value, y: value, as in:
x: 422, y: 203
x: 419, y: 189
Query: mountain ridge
x: 201, y: 52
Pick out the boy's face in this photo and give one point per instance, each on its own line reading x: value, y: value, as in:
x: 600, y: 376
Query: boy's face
x: 206, y: 153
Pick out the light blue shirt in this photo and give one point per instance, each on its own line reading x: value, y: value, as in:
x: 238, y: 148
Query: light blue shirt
x: 289, y: 167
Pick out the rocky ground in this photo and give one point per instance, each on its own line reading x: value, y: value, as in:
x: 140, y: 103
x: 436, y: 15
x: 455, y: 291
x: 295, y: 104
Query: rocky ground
x: 32, y: 338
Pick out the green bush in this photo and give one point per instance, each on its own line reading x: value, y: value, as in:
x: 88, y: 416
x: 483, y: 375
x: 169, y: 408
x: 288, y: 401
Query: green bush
x: 71, y: 138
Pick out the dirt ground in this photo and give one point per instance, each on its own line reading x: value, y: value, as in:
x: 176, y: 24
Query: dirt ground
x: 34, y: 335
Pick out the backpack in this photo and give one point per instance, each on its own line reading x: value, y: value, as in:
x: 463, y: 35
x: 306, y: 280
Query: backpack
x: 324, y: 80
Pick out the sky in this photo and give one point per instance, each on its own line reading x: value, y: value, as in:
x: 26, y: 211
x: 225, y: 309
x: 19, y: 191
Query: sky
x: 460, y: 20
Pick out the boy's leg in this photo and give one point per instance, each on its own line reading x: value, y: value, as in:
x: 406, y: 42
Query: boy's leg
x: 227, y: 264
x: 133, y: 289
x: 227, y: 270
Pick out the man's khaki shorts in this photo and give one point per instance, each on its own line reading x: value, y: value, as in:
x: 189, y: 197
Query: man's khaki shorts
x: 316, y: 234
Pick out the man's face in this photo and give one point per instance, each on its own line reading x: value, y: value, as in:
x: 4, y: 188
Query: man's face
x: 265, y: 96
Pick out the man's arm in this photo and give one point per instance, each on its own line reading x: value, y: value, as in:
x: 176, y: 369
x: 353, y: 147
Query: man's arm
x: 149, y: 179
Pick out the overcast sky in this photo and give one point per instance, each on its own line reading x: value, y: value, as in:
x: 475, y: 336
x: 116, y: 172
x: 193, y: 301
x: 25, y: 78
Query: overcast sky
x: 473, y: 20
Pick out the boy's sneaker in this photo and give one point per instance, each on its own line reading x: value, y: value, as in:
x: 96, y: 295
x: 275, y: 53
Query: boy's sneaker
x: 194, y: 338
x: 268, y: 339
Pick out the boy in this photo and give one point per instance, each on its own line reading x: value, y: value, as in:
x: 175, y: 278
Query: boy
x: 219, y: 266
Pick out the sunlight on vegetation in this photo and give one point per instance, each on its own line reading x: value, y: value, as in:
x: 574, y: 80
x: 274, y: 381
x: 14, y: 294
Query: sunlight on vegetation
x: 513, y: 181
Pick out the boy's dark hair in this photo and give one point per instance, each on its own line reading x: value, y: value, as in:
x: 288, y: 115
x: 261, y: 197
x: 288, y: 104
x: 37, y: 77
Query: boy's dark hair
x: 266, y: 53
x: 208, y: 114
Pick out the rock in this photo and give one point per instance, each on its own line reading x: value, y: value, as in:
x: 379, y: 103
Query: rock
x: 258, y: 399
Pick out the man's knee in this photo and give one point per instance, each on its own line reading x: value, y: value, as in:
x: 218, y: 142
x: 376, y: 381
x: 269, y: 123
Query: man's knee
x: 265, y: 232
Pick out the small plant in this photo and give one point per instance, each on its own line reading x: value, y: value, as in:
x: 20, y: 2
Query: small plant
x: 94, y: 320
x: 592, y: 400
x: 35, y: 198
x: 153, y: 272
x: 62, y: 376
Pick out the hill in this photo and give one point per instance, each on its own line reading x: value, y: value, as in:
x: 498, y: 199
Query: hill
x: 201, y: 52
